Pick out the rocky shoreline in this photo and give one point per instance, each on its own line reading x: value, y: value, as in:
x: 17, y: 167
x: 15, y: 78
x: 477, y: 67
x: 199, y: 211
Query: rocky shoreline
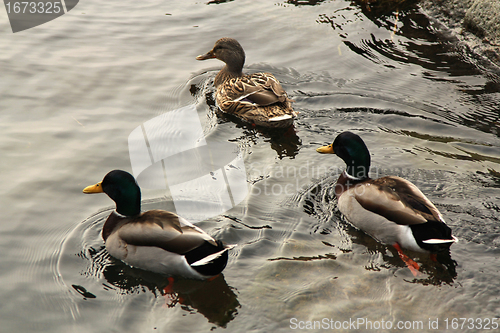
x: 475, y: 22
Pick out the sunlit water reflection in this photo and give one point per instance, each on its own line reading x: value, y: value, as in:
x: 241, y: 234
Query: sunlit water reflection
x: 426, y: 108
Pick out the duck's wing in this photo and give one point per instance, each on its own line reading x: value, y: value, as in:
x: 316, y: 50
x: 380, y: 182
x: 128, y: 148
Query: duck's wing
x: 261, y: 89
x: 255, y: 98
x: 398, y: 200
x: 165, y: 230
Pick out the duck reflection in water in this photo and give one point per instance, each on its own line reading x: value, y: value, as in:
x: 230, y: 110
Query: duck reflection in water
x: 213, y: 298
x: 285, y: 142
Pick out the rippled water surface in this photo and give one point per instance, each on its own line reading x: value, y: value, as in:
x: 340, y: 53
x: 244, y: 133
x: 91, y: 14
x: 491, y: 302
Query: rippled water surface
x: 73, y: 90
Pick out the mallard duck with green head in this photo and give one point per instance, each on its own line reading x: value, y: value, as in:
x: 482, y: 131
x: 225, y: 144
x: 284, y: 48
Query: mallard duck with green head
x: 156, y: 240
x: 256, y: 98
x: 390, y: 209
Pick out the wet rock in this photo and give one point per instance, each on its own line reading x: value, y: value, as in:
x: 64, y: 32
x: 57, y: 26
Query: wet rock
x: 483, y: 19
x: 477, y: 21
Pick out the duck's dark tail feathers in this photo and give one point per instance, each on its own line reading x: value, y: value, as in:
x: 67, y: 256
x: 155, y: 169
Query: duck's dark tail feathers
x: 209, y: 260
x: 433, y: 236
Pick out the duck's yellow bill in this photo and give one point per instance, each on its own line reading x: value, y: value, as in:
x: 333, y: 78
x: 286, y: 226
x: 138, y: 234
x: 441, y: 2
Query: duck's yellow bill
x: 326, y: 149
x: 97, y: 188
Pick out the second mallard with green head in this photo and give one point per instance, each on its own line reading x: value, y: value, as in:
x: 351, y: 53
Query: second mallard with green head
x: 256, y: 98
x: 390, y: 209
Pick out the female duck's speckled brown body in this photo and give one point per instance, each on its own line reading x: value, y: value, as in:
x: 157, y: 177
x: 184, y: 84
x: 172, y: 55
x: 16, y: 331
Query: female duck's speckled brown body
x: 256, y: 98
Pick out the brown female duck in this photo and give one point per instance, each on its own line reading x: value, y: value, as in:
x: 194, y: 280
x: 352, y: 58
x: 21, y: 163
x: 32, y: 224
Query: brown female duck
x: 255, y: 98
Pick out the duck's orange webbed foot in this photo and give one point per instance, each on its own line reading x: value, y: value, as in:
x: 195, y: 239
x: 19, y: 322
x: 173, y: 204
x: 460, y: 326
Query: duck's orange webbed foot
x: 412, y: 265
x: 171, y: 299
x: 169, y: 289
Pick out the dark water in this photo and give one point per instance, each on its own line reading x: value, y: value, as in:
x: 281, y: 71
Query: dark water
x: 73, y: 90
